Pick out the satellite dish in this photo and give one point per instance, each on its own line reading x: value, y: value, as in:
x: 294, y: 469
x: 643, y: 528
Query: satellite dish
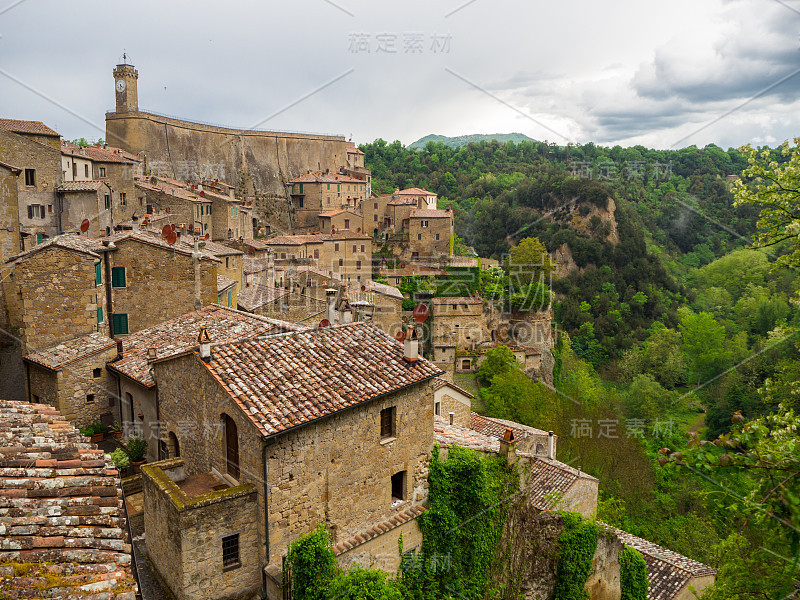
x: 324, y: 323
x: 166, y: 230
x: 85, y: 225
x: 363, y: 288
x: 400, y: 336
x: 333, y: 229
x: 172, y: 237
x: 173, y: 227
x: 202, y: 194
x: 421, y: 312
x: 358, y: 230
x: 206, y: 236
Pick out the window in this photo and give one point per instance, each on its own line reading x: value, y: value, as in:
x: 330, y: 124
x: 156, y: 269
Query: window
x: 119, y: 322
x: 363, y: 248
x: 35, y: 211
x: 419, y: 237
x: 376, y: 205
x: 437, y: 237
x: 437, y: 408
x: 74, y: 169
x: 354, y: 249
x: 97, y: 373
x: 375, y: 218
x: 283, y: 254
x: 102, y: 171
x: 107, y: 200
x: 118, y: 277
x: 230, y: 552
x: 227, y: 263
x: 86, y: 171
x: 336, y: 247
x: 301, y: 203
x: 301, y: 188
x: 347, y: 223
x: 89, y: 398
x: 341, y: 262
x: 316, y: 253
x: 30, y: 177
x: 99, y: 315
x: 338, y: 187
x: 329, y: 186
x: 465, y: 364
x: 49, y: 209
x: 230, y: 298
x: 387, y: 422
x: 98, y: 274
x: 358, y: 264
x: 398, y: 485
x: 123, y: 201
x: 231, y: 447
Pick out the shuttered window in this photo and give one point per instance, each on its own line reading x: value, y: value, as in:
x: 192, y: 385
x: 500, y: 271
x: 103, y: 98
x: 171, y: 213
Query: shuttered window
x: 98, y: 274
x: 120, y: 323
x: 118, y: 277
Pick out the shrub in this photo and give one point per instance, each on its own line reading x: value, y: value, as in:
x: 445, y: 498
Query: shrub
x: 136, y: 448
x: 311, y: 564
x: 120, y: 459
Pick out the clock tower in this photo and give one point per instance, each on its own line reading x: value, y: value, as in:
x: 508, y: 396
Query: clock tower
x: 125, y: 77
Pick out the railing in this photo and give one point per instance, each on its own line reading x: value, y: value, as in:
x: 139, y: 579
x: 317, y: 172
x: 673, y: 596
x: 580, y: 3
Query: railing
x: 158, y: 114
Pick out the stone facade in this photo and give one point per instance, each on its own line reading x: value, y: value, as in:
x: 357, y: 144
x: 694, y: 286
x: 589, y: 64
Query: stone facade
x: 90, y: 201
x: 9, y: 215
x: 52, y: 295
x: 337, y: 220
x: 159, y: 282
x: 185, y: 535
x: 430, y: 234
x: 460, y: 321
x: 383, y: 551
x: 449, y: 399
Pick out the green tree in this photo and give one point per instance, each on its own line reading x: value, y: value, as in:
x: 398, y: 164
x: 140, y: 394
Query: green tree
x: 703, y: 343
x: 498, y: 360
x: 646, y: 399
x: 529, y: 262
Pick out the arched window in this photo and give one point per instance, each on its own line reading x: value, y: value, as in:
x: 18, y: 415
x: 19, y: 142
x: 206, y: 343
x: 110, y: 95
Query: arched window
x: 173, y: 447
x: 231, y: 447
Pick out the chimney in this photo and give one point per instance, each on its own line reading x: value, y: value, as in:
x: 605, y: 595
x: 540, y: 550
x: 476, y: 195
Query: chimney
x: 452, y: 416
x: 550, y: 440
x: 411, y: 346
x: 205, y: 343
x: 507, y: 446
x: 119, y: 350
x: 330, y: 299
x: 135, y: 221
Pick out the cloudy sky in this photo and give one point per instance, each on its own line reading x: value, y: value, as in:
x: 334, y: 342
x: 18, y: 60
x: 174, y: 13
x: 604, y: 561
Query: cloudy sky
x: 662, y: 74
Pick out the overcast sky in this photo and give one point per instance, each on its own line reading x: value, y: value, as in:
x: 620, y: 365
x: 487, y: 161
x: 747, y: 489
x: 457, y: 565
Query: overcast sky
x: 661, y: 74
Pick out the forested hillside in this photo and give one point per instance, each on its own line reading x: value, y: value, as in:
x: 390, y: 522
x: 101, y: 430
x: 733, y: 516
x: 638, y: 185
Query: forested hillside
x: 673, y: 331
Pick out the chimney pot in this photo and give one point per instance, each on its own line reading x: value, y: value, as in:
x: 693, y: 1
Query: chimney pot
x: 550, y: 450
x: 452, y: 416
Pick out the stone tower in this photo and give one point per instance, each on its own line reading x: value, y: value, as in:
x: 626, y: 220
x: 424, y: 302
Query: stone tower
x: 125, y: 77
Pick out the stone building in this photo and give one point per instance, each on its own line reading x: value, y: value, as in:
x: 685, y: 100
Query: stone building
x: 139, y: 407
x: 72, y: 377
x: 449, y: 398
x: 337, y: 220
x: 383, y: 304
x: 346, y: 253
x: 63, y: 529
x: 34, y: 148
x: 229, y: 270
x: 356, y: 168
x: 461, y: 317
x: 190, y: 213
x: 317, y: 192
x: 334, y: 421
x: 86, y: 200
x: 396, y: 277
x: 430, y: 234
x: 55, y: 292
x: 281, y: 303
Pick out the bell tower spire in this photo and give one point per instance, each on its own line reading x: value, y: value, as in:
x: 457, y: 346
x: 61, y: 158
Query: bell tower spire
x: 125, y: 77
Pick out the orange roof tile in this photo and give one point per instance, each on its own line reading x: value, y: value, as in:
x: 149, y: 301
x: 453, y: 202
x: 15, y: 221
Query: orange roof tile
x: 34, y: 127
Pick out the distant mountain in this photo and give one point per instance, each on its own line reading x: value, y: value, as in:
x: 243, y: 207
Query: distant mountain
x: 463, y: 140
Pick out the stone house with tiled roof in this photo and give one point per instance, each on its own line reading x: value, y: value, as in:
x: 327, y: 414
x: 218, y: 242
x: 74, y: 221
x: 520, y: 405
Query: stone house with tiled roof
x: 63, y: 521
x: 88, y: 200
x: 331, y: 425
x: 316, y: 192
x: 338, y: 220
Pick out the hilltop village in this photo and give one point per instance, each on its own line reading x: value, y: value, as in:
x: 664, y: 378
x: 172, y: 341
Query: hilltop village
x: 237, y: 300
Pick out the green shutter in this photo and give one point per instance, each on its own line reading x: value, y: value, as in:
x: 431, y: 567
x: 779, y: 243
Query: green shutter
x: 118, y: 277
x: 120, y: 323
x: 98, y: 274
x: 99, y: 314
x: 230, y: 298
x: 301, y: 188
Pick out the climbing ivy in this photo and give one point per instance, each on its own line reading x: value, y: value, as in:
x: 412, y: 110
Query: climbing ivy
x: 577, y: 545
x: 311, y: 565
x: 462, y: 527
x: 632, y: 574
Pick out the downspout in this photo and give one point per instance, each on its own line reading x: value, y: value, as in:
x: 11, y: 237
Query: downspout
x: 266, y: 516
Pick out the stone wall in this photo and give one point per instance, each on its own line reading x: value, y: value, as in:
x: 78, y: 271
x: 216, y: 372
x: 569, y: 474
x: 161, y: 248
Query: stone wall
x: 90, y: 205
x: 184, y: 536
x: 52, y: 297
x: 9, y: 216
x: 449, y: 403
x: 383, y: 552
x: 139, y: 400
x: 159, y: 283
x: 432, y: 241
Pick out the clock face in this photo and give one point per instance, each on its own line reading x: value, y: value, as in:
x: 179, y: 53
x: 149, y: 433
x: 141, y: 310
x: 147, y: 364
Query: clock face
x: 120, y: 85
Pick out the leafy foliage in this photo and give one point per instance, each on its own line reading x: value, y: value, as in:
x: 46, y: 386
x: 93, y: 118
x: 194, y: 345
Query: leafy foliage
x: 496, y: 361
x: 312, y: 565
x: 632, y: 574
x: 577, y: 545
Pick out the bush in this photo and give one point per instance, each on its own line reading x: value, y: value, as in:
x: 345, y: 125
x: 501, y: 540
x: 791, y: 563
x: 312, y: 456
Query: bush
x: 577, y: 545
x: 632, y: 574
x: 136, y: 448
x: 312, y: 565
x: 120, y: 459
x: 362, y: 584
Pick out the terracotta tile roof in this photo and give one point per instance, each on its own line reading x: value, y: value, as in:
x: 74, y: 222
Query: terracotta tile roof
x: 411, y: 270
x: 223, y: 283
x: 176, y: 191
x: 255, y: 244
x: 287, y: 381
x: 341, y: 235
x: 317, y: 271
x: 76, y: 243
x: 457, y: 300
x: 548, y: 476
x: 292, y: 240
x: 402, y: 202
x: 98, y: 154
x: 253, y: 265
x: 353, y: 150
x: 426, y: 213
x: 497, y: 427
x: 376, y: 288
x: 61, y: 508
x: 463, y: 261
x: 667, y: 572
x: 10, y: 167
x: 35, y: 127
x: 180, y: 334
x: 456, y: 435
x: 212, y: 247
x: 257, y: 295
x: 415, y: 191
x: 153, y: 238
x: 440, y: 383
x: 62, y: 354
x: 409, y: 514
x: 80, y: 186
x: 317, y: 177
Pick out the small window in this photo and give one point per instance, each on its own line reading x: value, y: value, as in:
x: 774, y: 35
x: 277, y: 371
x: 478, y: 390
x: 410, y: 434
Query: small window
x: 363, y: 248
x: 89, y: 398
x: 376, y: 205
x: 437, y: 237
x: 300, y: 205
x: 387, y: 422
x: 123, y: 201
x: 86, y: 171
x: 355, y: 248
x: 283, y: 254
x: 398, y: 486
x: 341, y: 262
x: 419, y: 237
x: 375, y: 218
x: 97, y: 373
x: 30, y: 177
x: 316, y: 253
x: 347, y: 223
x: 227, y: 263
x: 120, y: 323
x: 118, y: 277
x: 358, y: 264
x: 50, y: 209
x: 107, y: 201
x: 102, y: 171
x: 336, y: 247
x: 230, y: 552
x: 98, y: 274
x: 437, y: 408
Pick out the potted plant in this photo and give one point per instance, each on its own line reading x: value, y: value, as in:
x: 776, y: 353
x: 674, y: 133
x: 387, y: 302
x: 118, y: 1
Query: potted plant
x: 136, y: 449
x: 116, y: 430
x: 120, y: 460
x: 92, y: 432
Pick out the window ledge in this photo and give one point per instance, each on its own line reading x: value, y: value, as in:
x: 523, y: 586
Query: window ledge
x: 388, y: 440
x: 231, y: 567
